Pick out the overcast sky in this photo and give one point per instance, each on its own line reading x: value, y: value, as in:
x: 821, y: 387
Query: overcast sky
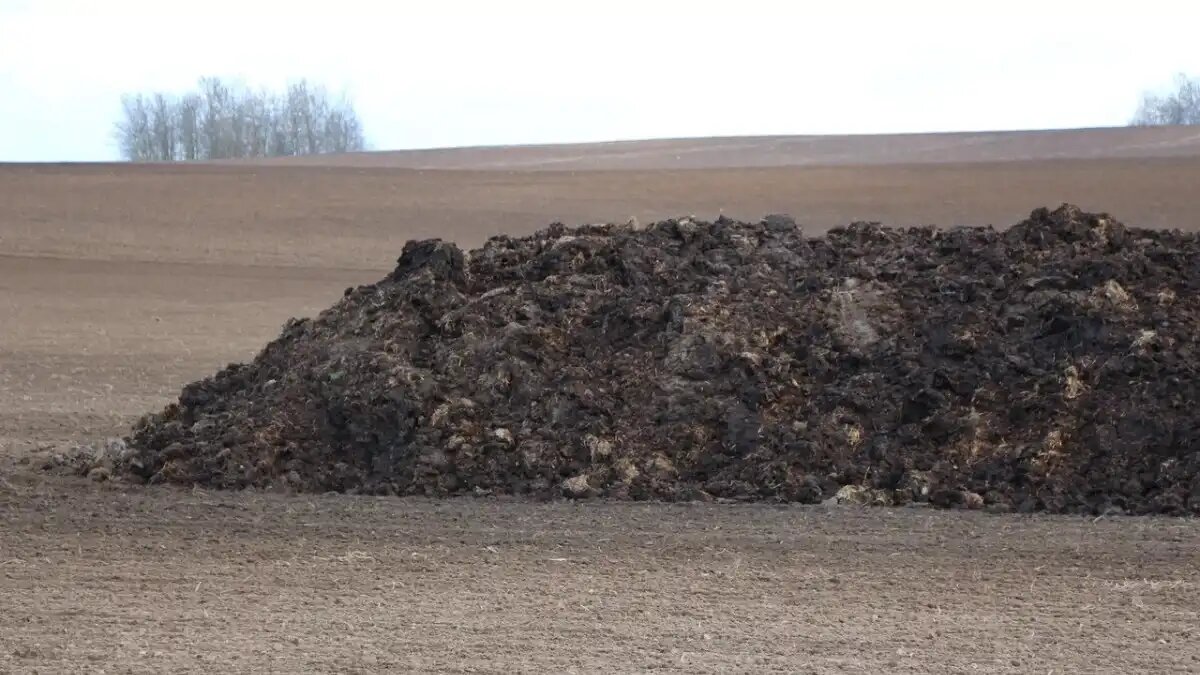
x: 469, y: 73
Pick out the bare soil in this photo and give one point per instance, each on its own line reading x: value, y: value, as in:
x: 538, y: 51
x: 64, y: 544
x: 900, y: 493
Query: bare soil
x: 781, y: 151
x: 359, y: 218
x: 120, y: 284
x: 165, y: 580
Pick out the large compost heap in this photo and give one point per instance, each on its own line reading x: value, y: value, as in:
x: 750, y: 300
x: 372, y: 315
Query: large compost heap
x: 1050, y: 366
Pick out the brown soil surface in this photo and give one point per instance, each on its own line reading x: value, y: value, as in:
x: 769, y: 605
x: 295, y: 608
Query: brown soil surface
x: 120, y: 284
x: 779, y: 151
x: 360, y: 218
x: 154, y: 580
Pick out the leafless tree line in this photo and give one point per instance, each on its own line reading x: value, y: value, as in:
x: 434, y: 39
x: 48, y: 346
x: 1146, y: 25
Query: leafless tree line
x: 1181, y: 106
x: 220, y: 120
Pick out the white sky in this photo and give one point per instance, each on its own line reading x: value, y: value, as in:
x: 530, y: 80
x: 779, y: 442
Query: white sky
x: 521, y: 71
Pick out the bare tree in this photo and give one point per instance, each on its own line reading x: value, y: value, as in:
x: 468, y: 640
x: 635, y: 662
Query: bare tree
x: 255, y: 110
x: 189, y: 127
x: 1179, y: 107
x: 132, y: 131
x: 343, y: 132
x: 223, y: 120
x: 163, y: 122
x: 215, y: 125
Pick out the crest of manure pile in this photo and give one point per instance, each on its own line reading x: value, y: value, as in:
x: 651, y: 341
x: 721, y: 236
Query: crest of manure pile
x: 1051, y: 366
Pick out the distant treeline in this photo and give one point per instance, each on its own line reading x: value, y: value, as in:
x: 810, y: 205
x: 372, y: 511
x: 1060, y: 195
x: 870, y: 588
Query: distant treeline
x: 1181, y: 106
x: 225, y: 121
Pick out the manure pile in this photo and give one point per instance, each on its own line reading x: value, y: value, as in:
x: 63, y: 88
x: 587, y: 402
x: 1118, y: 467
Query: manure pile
x: 1050, y: 366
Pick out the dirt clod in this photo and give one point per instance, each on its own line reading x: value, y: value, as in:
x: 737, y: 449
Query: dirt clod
x: 1040, y: 366
x: 972, y: 500
x: 577, y: 487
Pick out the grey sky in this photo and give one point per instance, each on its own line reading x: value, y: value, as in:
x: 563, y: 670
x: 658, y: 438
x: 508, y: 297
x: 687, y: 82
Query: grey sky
x: 468, y: 73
